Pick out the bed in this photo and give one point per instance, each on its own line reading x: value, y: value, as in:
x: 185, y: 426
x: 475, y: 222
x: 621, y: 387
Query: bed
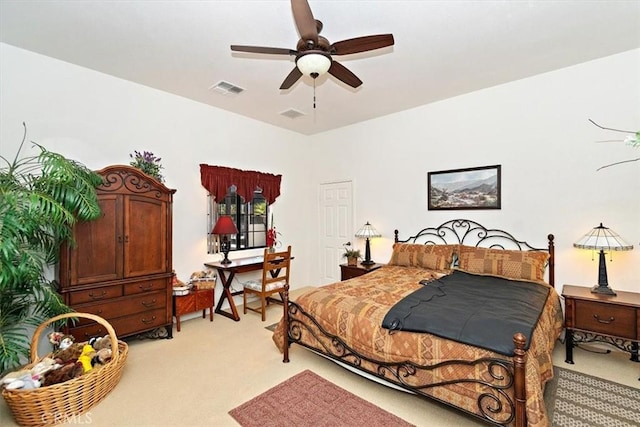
x: 343, y: 322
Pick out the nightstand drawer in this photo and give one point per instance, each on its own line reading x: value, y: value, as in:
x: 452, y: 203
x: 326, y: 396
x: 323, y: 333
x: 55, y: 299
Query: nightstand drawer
x: 606, y: 319
x: 350, y: 271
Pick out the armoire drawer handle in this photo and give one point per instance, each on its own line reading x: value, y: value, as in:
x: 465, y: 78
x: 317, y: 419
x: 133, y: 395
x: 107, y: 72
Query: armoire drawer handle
x: 102, y: 295
x: 606, y: 322
x: 149, y: 321
x: 149, y: 304
x: 146, y: 287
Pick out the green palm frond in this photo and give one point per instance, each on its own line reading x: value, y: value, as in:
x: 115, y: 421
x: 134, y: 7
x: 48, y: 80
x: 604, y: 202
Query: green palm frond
x: 41, y: 198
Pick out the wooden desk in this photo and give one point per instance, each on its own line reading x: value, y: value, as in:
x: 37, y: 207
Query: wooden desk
x: 226, y: 273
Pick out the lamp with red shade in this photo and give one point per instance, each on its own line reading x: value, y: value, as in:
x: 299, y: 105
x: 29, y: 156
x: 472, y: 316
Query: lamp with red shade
x: 225, y: 226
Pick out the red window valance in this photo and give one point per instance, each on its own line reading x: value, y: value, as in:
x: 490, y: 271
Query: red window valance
x: 218, y: 179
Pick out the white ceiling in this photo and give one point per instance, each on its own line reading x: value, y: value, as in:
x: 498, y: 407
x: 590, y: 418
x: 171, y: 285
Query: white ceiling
x: 442, y: 48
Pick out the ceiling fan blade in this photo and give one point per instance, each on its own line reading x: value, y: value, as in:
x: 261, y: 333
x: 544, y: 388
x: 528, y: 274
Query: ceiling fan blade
x: 341, y: 73
x: 293, y: 77
x: 361, y: 44
x: 305, y: 22
x: 262, y: 49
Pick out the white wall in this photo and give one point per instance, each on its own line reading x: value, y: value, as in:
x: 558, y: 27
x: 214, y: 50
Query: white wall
x: 538, y: 130
x: 99, y: 120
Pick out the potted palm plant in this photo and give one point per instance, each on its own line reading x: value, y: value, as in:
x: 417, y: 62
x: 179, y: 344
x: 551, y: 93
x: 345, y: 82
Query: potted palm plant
x: 41, y: 198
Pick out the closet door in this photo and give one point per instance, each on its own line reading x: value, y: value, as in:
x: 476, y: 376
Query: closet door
x: 97, y: 256
x: 145, y: 236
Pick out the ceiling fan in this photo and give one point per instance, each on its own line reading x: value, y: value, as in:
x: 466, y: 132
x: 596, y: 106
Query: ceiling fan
x: 314, y: 54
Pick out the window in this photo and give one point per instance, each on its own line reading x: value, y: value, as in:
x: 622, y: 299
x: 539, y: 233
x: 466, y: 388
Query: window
x: 250, y: 219
x: 230, y: 190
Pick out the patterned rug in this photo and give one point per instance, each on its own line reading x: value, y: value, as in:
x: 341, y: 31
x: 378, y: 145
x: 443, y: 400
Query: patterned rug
x: 577, y: 399
x: 307, y: 399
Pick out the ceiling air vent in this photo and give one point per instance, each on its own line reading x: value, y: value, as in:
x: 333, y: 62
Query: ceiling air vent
x: 226, y: 88
x: 292, y: 113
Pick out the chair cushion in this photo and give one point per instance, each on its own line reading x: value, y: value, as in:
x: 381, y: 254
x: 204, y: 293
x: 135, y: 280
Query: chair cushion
x: 256, y: 285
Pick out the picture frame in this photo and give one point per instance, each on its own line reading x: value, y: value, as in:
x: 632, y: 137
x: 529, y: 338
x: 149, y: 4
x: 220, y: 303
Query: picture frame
x: 461, y: 189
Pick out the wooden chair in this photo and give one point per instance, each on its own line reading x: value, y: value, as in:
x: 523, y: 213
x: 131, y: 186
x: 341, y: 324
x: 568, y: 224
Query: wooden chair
x: 275, y: 274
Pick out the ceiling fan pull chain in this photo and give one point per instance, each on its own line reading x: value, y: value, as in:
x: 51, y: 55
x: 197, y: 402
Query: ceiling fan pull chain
x: 314, y: 94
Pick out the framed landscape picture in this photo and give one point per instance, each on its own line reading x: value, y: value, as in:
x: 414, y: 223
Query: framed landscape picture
x: 471, y: 188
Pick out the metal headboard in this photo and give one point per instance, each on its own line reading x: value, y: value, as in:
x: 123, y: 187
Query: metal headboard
x: 471, y: 233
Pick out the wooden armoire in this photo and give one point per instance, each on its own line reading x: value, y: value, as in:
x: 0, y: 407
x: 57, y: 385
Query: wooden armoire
x: 121, y: 265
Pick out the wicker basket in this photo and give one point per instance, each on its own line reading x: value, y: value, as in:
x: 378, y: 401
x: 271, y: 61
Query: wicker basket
x: 66, y: 401
x: 203, y: 283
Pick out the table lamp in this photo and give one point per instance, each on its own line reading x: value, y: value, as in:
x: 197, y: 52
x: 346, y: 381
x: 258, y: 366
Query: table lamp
x: 225, y: 226
x: 602, y: 239
x: 366, y: 232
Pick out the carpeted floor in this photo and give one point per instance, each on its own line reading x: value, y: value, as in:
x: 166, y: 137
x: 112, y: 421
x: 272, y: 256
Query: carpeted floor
x: 307, y: 399
x: 577, y: 399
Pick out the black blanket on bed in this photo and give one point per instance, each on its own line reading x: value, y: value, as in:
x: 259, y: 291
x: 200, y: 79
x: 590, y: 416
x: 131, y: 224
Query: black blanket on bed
x: 483, y: 311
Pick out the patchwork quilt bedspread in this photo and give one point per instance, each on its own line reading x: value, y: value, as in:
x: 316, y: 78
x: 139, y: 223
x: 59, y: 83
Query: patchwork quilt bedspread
x: 354, y: 310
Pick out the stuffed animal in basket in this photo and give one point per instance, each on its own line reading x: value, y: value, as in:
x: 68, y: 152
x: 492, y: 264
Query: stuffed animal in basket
x: 25, y: 381
x: 96, y: 351
x: 64, y: 373
x: 98, y: 343
x: 103, y: 351
x: 29, y: 378
x: 90, y: 357
x: 85, y: 357
x: 68, y: 350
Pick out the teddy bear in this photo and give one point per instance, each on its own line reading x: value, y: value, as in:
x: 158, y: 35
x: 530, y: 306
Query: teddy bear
x: 98, y: 343
x: 101, y: 357
x: 63, y: 373
x: 68, y: 350
x: 102, y: 346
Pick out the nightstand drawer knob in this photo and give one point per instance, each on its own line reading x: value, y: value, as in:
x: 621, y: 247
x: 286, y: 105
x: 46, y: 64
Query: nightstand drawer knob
x: 606, y: 322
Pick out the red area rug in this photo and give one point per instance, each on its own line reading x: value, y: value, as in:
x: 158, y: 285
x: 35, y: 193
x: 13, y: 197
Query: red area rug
x: 307, y: 399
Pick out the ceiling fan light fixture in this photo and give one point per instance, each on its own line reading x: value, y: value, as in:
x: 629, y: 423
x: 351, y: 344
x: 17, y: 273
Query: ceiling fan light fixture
x: 314, y: 63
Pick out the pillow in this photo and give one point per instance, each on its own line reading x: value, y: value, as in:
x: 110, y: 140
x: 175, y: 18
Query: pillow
x: 510, y: 264
x: 433, y: 257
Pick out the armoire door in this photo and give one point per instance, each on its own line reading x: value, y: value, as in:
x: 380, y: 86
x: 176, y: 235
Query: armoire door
x: 145, y: 236
x: 97, y: 256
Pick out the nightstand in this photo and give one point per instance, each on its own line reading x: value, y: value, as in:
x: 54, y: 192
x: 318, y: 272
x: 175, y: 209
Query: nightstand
x: 195, y: 300
x: 591, y: 317
x: 351, y: 271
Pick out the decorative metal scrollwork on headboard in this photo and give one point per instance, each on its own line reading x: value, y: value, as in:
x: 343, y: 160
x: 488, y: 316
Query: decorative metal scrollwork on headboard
x: 470, y: 233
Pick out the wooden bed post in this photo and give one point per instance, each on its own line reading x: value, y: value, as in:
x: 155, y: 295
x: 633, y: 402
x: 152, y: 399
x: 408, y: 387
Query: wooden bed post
x: 285, y: 343
x: 552, y: 263
x: 519, y: 388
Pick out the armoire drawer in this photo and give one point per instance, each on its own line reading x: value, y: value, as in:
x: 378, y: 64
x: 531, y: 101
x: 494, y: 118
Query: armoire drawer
x: 134, y: 323
x: 124, y: 326
x: 121, y: 306
x: 96, y: 294
x: 145, y: 286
